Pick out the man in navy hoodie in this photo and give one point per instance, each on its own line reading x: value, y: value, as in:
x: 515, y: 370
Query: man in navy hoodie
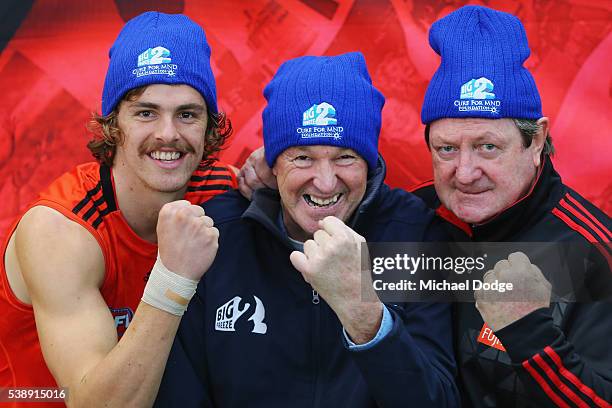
x: 283, y: 317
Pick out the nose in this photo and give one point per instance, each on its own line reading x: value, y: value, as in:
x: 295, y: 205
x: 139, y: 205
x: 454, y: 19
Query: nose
x: 325, y: 179
x: 468, y: 169
x: 166, y: 130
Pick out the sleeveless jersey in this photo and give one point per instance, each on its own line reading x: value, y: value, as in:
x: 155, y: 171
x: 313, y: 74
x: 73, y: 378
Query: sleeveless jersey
x: 86, y: 196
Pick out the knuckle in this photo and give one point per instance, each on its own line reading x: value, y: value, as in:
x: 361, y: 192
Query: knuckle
x: 343, y: 240
x: 181, y: 214
x: 166, y: 210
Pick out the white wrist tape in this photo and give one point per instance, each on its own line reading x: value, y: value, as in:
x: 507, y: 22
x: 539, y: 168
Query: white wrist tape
x: 168, y: 291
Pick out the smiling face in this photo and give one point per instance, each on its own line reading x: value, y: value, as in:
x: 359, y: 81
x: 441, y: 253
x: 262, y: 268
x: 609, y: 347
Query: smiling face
x: 163, y: 141
x: 481, y: 166
x: 317, y: 181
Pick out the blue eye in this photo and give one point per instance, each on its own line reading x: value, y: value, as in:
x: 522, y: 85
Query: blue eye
x: 489, y: 147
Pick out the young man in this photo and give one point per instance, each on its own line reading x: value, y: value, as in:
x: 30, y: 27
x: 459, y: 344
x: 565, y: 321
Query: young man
x: 76, y: 263
x: 494, y: 179
x: 282, y: 318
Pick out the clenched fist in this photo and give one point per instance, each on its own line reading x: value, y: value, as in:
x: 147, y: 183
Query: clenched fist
x: 331, y: 263
x: 187, y: 239
x: 531, y: 291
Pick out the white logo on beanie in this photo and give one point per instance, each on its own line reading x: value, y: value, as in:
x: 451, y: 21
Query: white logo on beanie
x: 477, y: 89
x: 476, y: 95
x: 322, y: 114
x: 154, y: 56
x: 319, y: 121
x: 155, y: 61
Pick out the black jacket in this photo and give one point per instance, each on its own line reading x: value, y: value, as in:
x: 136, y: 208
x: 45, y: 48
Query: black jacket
x: 287, y: 348
x: 560, y: 356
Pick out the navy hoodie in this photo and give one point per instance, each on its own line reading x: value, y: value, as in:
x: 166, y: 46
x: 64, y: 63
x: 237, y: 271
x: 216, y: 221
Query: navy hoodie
x: 256, y: 334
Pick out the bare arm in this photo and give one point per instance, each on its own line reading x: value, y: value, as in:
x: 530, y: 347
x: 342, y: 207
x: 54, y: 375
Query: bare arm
x: 63, y: 267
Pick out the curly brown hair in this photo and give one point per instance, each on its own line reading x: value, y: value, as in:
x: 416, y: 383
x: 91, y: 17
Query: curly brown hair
x: 107, y: 135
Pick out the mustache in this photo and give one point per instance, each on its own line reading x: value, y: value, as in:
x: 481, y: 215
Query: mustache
x: 177, y: 145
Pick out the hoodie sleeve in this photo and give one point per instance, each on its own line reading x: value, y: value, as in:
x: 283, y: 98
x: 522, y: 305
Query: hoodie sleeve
x: 185, y: 380
x: 564, y: 369
x: 415, y: 355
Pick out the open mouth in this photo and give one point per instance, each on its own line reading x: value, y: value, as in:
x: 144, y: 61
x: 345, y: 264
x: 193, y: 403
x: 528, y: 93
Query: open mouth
x: 165, y: 156
x: 322, y: 202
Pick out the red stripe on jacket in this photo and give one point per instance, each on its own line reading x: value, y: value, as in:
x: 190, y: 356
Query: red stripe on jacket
x: 551, y: 394
x: 582, y: 231
x: 557, y: 381
x: 584, y: 219
x: 575, y: 380
x: 590, y: 215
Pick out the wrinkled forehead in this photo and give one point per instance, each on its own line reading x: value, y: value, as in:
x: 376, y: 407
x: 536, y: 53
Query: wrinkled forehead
x: 163, y: 95
x: 473, y: 129
x: 319, y: 152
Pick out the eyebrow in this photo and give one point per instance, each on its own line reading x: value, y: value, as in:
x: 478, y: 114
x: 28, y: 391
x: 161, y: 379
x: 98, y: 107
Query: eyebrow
x: 483, y: 137
x: 188, y: 106
x: 144, y: 105
x: 191, y: 106
x: 487, y: 136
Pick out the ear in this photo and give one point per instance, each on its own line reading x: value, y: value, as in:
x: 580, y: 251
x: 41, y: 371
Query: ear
x: 275, y: 169
x: 537, y: 144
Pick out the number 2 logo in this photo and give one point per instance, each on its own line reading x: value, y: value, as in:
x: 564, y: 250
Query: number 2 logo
x: 154, y: 56
x: 483, y: 86
x: 323, y: 111
x: 159, y: 54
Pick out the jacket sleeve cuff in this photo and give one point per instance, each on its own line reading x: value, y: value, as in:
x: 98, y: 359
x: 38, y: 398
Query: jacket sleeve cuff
x: 529, y: 335
x: 385, y: 327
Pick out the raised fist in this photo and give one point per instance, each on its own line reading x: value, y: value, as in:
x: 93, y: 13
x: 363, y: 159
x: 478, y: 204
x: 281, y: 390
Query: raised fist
x: 187, y: 239
x: 331, y: 263
x: 530, y: 291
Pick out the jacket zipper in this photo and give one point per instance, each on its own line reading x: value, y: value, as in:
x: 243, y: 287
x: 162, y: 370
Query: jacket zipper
x: 316, y: 340
x: 315, y: 297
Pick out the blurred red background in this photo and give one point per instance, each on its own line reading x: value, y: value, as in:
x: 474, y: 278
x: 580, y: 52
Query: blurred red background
x: 54, y: 59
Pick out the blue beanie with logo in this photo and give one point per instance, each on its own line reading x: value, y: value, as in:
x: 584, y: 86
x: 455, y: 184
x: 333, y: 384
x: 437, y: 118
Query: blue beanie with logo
x: 323, y: 101
x: 481, y: 73
x: 158, y: 48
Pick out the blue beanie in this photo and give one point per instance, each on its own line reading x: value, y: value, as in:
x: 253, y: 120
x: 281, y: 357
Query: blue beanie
x: 323, y: 101
x: 481, y: 74
x: 158, y: 48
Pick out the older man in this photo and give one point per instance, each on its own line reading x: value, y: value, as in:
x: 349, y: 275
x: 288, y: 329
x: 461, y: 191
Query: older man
x: 282, y: 318
x: 495, y: 181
